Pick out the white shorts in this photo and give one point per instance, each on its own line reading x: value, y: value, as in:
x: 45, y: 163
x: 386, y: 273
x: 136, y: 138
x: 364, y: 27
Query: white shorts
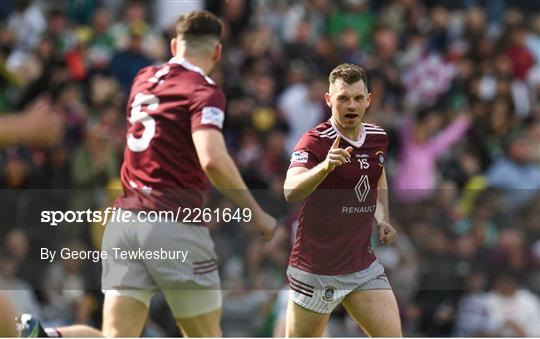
x: 178, y: 259
x: 322, y: 293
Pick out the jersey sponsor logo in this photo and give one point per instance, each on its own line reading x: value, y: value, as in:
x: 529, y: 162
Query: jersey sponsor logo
x: 362, y: 188
x: 358, y: 209
x: 329, y: 293
x: 299, y: 157
x: 213, y: 116
x: 380, y: 155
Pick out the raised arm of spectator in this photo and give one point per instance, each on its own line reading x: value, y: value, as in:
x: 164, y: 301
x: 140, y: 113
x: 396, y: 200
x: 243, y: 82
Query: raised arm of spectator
x: 449, y: 135
x: 407, y: 125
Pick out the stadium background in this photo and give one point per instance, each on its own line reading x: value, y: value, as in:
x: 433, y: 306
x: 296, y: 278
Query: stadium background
x: 456, y: 84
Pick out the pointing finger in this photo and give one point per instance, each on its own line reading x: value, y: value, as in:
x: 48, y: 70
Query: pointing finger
x: 336, y: 142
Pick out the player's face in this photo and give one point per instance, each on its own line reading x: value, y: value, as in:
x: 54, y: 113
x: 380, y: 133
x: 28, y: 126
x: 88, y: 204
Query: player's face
x: 348, y: 102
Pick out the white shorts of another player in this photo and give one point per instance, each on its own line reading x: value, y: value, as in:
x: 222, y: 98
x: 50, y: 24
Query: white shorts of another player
x: 191, y: 276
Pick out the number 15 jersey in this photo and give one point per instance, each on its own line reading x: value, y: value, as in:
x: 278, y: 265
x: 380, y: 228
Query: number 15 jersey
x: 167, y: 103
x: 335, y: 221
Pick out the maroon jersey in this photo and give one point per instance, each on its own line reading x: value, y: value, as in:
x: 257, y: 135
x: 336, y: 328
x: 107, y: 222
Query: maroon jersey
x: 161, y: 170
x: 335, y: 221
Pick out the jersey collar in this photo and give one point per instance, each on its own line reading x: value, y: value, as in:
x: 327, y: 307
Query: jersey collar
x: 189, y: 66
x: 357, y: 143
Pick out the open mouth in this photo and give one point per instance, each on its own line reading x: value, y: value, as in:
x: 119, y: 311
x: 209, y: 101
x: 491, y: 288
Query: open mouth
x: 351, y: 115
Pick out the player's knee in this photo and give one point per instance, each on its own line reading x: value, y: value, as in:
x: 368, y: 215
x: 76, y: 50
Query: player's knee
x: 304, y: 331
x: 116, y: 329
x: 112, y: 332
x: 79, y: 331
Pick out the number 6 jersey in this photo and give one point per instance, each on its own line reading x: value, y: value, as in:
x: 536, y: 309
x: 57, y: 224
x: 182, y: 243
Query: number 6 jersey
x: 335, y: 221
x: 167, y: 103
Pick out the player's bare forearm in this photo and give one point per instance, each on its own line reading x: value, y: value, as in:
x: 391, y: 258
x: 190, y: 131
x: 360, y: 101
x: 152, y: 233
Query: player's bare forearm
x: 387, y: 234
x: 10, y: 130
x: 224, y: 175
x: 301, y: 182
x: 382, y: 213
x: 35, y: 126
x: 221, y: 170
x: 227, y: 179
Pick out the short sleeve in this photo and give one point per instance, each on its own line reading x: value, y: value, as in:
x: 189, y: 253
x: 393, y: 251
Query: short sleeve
x: 308, y: 152
x: 207, y: 108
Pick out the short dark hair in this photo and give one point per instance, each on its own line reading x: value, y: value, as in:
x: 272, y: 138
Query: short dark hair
x: 349, y: 73
x: 199, y: 23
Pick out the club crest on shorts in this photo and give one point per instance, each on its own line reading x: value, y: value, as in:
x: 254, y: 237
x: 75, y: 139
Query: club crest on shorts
x: 329, y: 293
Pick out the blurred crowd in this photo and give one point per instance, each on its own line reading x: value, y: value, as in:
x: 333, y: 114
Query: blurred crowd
x: 456, y: 85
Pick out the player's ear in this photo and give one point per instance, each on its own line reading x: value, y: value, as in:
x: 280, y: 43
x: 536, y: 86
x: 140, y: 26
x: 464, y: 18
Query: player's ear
x: 368, y: 99
x: 173, y: 46
x: 217, y: 52
x: 327, y: 99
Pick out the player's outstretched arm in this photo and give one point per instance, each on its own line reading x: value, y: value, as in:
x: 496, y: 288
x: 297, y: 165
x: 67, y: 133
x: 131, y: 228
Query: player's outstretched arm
x: 301, y: 182
x: 387, y: 234
x: 224, y: 175
x: 37, y: 125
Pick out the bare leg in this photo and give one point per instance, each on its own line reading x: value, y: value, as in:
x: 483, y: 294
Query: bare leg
x: 376, y: 311
x: 79, y: 331
x: 123, y: 316
x: 7, y: 318
x: 279, y: 327
x: 302, y: 322
x: 205, y: 325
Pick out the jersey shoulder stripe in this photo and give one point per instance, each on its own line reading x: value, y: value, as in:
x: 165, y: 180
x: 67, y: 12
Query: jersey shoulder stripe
x: 331, y: 128
x: 324, y: 130
x: 371, y: 125
x: 373, y: 129
x: 330, y: 135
